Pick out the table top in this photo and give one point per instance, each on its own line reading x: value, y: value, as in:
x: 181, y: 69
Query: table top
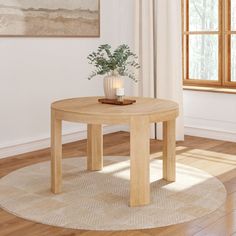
x: 156, y: 109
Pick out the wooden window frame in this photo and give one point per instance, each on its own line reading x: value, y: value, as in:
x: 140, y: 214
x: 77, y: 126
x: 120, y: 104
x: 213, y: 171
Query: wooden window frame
x: 224, y: 47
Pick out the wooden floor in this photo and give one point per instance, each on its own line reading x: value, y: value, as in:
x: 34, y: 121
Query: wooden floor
x: 222, y: 164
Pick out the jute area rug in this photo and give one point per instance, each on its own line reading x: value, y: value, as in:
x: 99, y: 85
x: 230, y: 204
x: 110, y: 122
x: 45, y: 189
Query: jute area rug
x: 99, y: 200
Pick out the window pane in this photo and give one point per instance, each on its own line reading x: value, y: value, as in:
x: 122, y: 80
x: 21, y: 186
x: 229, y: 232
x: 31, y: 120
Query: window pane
x: 233, y: 14
x: 233, y: 58
x: 203, y: 15
x: 203, y: 57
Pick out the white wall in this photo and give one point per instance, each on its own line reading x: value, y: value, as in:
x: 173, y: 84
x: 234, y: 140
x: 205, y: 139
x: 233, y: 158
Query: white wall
x: 37, y: 71
x: 211, y: 115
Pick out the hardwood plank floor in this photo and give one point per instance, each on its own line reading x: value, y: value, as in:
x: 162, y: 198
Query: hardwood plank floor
x: 222, y: 164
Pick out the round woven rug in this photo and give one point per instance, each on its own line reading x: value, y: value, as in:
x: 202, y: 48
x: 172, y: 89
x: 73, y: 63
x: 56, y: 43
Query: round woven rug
x: 99, y: 200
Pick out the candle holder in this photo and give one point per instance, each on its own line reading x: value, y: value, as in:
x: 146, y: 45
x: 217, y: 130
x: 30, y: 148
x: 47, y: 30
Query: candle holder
x: 120, y: 98
x: 120, y: 93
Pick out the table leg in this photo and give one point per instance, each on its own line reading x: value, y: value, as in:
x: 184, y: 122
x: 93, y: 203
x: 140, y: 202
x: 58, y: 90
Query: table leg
x: 94, y: 147
x: 56, y: 154
x: 169, y: 153
x: 139, y: 166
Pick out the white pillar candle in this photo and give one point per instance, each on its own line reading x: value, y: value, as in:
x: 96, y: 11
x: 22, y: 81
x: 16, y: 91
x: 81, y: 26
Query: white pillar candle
x: 120, y: 92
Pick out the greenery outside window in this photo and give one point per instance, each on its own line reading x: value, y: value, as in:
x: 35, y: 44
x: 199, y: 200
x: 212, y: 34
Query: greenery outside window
x: 209, y: 43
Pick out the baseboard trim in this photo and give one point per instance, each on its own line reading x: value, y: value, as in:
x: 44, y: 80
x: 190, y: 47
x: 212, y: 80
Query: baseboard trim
x: 45, y: 143
x: 80, y: 135
x: 210, y: 133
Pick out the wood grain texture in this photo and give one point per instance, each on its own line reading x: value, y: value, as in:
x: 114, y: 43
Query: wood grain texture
x: 139, y: 163
x: 169, y: 144
x: 219, y: 223
x: 89, y: 110
x: 138, y: 116
x: 95, y: 147
x: 56, y: 154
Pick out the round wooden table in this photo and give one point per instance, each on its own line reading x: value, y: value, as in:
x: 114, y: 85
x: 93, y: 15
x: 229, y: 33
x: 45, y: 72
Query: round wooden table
x: 139, y: 116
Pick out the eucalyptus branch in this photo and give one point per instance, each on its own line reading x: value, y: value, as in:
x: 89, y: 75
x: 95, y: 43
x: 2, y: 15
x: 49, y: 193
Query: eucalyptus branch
x: 121, y: 60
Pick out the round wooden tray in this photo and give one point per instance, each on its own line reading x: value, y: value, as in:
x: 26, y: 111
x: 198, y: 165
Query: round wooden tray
x: 116, y: 102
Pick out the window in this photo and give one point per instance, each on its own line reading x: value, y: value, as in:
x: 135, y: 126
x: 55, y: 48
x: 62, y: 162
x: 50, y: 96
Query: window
x: 209, y: 42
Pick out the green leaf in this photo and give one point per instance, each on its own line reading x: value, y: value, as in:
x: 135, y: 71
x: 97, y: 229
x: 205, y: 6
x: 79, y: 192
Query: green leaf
x: 121, y: 59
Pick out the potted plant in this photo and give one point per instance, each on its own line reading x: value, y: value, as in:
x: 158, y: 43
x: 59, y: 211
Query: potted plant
x: 115, y: 65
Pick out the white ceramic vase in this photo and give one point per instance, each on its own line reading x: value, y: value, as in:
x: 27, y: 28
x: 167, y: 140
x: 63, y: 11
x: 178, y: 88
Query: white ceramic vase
x: 111, y: 83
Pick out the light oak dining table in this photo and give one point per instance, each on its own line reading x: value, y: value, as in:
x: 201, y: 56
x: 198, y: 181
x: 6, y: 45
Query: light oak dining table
x: 138, y: 116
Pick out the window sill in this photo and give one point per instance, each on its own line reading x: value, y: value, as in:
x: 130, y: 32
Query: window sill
x: 210, y: 89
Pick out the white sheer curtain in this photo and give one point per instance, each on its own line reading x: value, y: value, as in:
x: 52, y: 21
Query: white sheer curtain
x: 158, y: 43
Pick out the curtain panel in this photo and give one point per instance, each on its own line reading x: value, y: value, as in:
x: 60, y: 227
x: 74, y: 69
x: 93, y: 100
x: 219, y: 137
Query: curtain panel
x: 158, y: 42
